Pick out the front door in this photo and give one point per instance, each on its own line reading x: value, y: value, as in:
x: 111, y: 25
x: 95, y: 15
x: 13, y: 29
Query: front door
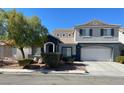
x: 49, y: 48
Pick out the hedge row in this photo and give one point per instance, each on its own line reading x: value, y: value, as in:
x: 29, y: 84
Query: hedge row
x: 120, y: 59
x: 24, y: 62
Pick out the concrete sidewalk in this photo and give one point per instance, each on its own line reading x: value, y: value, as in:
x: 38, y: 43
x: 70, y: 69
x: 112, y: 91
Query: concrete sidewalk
x: 2, y: 71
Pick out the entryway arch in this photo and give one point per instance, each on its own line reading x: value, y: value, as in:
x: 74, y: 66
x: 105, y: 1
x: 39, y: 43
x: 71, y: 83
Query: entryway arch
x: 49, y: 47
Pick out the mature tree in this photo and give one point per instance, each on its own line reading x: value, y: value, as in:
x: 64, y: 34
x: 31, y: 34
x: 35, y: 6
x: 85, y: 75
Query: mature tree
x: 23, y: 31
x: 17, y: 27
x: 37, y: 33
x: 3, y: 24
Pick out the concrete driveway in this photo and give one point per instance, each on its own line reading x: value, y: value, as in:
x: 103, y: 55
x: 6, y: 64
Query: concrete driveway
x: 105, y: 68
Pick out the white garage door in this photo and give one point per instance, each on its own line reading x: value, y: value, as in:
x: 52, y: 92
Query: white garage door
x: 96, y: 53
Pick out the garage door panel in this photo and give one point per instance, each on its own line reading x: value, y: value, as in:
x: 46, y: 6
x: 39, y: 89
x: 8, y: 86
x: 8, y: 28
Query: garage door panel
x: 96, y: 54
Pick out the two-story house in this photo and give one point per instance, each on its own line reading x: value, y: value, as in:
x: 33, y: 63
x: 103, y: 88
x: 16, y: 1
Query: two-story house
x: 92, y: 41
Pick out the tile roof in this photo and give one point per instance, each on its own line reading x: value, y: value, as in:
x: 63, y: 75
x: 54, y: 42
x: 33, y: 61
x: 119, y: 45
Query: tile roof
x: 67, y: 40
x: 96, y: 23
x: 63, y: 30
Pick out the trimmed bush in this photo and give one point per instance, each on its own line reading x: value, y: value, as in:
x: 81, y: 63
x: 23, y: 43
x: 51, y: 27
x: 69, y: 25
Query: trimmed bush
x: 51, y: 60
x: 120, y: 59
x: 24, y: 62
x: 68, y: 60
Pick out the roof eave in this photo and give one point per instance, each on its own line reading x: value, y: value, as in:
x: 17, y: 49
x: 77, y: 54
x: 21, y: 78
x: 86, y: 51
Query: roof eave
x: 97, y: 26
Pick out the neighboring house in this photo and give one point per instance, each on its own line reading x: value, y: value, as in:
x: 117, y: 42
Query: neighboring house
x: 92, y: 41
x: 7, y: 51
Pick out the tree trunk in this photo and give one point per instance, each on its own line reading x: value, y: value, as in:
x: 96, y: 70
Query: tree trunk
x: 22, y: 51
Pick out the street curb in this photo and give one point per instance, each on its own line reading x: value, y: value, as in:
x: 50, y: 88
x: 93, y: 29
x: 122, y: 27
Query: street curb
x: 58, y: 72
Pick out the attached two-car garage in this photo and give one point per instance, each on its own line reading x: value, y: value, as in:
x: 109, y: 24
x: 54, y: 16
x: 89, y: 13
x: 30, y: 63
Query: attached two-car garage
x: 96, y: 53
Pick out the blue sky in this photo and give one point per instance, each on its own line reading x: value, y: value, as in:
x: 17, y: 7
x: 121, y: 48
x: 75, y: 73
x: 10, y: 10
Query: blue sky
x: 54, y: 18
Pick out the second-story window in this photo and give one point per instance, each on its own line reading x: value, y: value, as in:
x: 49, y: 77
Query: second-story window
x: 85, y: 32
x: 107, y: 32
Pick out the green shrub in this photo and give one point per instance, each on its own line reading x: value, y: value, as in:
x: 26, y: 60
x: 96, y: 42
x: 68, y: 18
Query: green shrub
x: 51, y: 59
x: 120, y: 59
x: 24, y: 62
x: 68, y: 59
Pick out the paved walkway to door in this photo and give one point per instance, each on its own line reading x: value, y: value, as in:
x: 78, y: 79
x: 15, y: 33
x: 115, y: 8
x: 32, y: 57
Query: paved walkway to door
x: 105, y: 68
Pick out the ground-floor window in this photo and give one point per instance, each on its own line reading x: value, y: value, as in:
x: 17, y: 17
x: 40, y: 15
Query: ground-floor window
x: 67, y: 51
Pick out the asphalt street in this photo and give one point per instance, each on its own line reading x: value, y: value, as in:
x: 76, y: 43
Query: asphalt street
x: 58, y: 79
